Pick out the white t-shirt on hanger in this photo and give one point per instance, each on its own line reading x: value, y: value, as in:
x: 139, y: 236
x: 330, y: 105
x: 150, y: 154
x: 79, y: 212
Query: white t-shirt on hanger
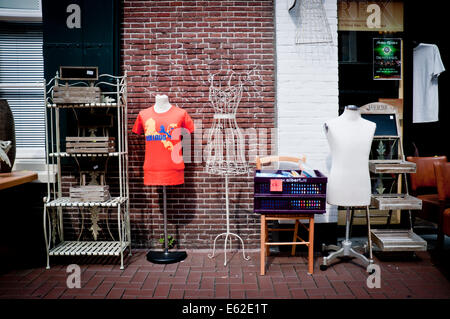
x: 427, y: 67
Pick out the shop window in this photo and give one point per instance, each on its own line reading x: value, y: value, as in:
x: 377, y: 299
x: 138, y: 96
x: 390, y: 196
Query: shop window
x: 359, y: 23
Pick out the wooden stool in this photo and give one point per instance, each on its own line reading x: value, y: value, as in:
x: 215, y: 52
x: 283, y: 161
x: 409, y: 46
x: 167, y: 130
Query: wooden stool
x: 296, y: 217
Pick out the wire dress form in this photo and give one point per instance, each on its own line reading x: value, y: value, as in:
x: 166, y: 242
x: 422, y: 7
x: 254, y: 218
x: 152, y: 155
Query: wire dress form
x: 313, y: 27
x: 225, y: 151
x: 313, y: 33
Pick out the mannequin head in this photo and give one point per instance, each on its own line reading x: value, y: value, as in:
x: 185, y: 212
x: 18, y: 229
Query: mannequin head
x: 162, y: 103
x: 161, y: 99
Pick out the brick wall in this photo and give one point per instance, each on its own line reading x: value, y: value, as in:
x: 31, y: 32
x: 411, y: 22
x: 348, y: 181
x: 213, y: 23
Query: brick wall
x: 171, y: 47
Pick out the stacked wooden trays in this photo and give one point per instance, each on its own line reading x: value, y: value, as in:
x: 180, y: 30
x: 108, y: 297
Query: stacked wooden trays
x: 89, y: 193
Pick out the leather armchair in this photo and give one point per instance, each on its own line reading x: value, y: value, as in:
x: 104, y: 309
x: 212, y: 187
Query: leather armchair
x: 442, y: 173
x: 423, y: 186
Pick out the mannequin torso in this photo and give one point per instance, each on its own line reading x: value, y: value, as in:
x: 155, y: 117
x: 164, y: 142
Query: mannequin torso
x: 350, y: 139
x: 162, y: 104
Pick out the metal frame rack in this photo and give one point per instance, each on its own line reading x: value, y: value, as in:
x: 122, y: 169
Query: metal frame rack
x: 392, y: 239
x: 115, y: 99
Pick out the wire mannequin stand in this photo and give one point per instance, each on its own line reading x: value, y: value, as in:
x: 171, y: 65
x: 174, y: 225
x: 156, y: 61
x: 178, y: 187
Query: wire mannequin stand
x: 226, y: 159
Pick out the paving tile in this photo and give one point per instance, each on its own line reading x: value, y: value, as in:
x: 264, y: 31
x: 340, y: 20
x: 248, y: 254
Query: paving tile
x: 320, y: 292
x: 176, y: 294
x: 150, y: 283
x: 237, y: 294
x: 162, y: 290
x: 139, y: 277
x: 359, y: 292
x: 377, y: 295
x: 281, y: 290
x: 55, y: 293
x: 207, y: 283
x: 173, y: 280
x: 115, y: 293
x: 127, y: 285
x: 79, y: 292
x: 185, y: 286
x: 339, y: 297
x: 103, y: 289
x: 222, y: 291
x: 201, y: 293
x: 307, y: 285
x: 261, y: 294
x: 322, y: 282
x: 94, y: 282
x: 43, y: 290
x: 194, y: 277
x: 341, y: 288
x: 265, y: 283
x: 297, y: 293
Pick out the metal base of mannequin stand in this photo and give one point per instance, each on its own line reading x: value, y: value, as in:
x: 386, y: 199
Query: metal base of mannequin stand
x: 165, y: 257
x: 346, y: 249
x: 227, y: 234
x: 228, y: 237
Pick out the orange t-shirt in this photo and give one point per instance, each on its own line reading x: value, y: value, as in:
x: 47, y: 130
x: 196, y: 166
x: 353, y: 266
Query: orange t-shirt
x: 163, y: 163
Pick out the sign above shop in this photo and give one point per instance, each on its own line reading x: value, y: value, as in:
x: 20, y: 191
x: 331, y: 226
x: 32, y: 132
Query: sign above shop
x: 354, y: 15
x: 387, y: 59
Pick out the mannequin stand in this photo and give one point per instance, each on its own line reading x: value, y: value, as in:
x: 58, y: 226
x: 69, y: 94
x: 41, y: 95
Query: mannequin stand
x: 346, y: 249
x: 165, y: 257
x: 227, y: 234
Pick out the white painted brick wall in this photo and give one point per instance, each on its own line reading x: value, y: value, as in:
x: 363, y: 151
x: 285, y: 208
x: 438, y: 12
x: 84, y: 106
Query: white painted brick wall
x: 307, y: 88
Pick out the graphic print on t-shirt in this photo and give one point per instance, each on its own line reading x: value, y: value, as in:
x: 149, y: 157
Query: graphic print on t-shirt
x: 151, y: 134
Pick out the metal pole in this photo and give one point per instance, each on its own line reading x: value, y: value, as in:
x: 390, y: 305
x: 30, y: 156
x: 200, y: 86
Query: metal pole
x: 369, y: 234
x: 227, y: 206
x: 166, y: 246
x: 347, y: 225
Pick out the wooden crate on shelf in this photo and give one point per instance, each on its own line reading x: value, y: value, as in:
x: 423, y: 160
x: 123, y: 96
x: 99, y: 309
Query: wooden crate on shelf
x: 89, y: 193
x: 76, y: 95
x: 90, y: 144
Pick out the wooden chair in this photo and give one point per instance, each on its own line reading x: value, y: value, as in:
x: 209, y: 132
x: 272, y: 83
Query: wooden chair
x: 423, y: 185
x: 442, y: 173
x: 271, y: 161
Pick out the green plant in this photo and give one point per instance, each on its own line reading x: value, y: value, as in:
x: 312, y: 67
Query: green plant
x: 170, y: 241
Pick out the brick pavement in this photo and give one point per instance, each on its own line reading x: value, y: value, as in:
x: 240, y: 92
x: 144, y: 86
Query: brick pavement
x: 200, y: 277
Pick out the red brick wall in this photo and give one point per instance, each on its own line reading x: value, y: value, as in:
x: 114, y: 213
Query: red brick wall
x: 170, y: 47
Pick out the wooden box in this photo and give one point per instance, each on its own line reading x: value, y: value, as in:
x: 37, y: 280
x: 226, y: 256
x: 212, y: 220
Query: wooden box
x: 396, y: 201
x: 76, y: 95
x: 90, y: 144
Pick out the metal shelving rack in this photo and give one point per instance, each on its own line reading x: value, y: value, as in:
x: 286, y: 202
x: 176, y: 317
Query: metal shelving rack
x: 55, y: 204
x: 395, y: 164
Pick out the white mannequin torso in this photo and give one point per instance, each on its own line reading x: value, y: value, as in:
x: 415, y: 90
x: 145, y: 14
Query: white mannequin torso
x: 350, y: 139
x: 162, y: 104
